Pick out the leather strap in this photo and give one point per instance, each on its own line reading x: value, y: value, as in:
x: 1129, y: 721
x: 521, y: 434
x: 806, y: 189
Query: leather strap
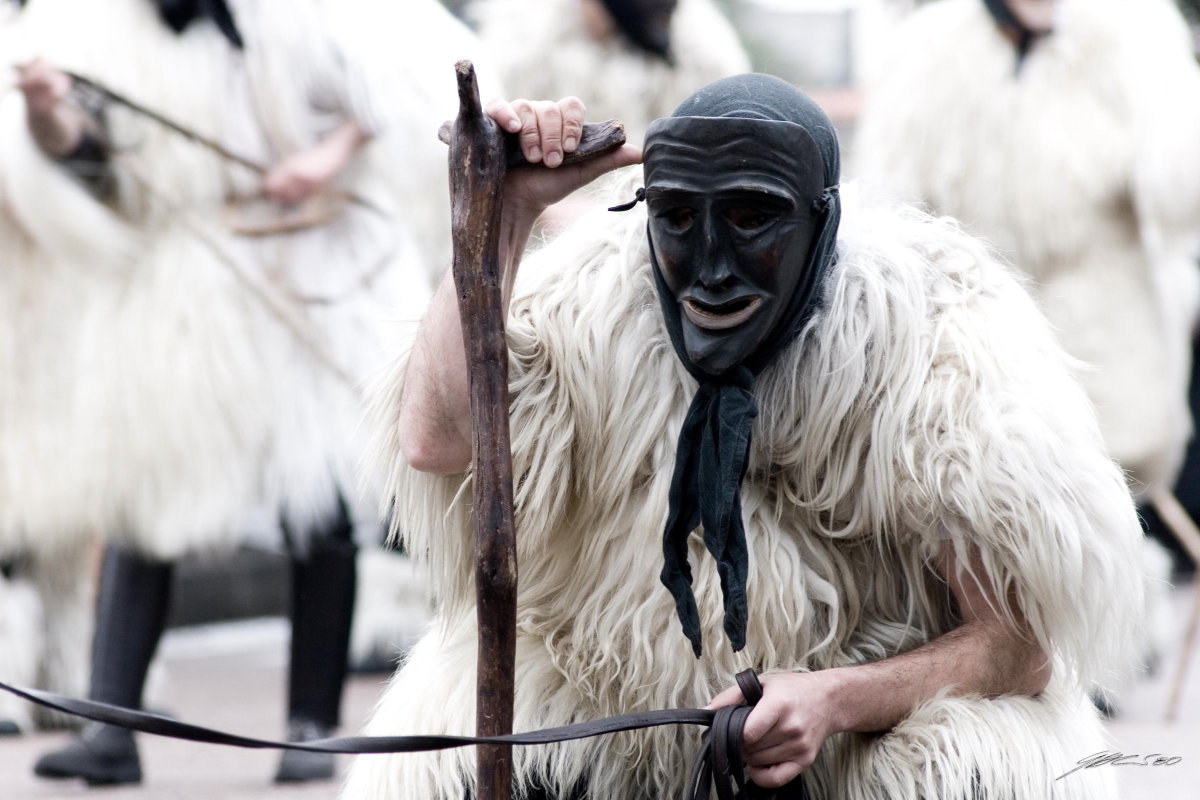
x: 163, y: 726
x: 718, y: 766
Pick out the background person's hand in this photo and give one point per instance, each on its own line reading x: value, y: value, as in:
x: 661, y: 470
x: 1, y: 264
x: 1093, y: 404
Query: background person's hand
x: 303, y: 174
x: 43, y: 85
x: 57, y: 127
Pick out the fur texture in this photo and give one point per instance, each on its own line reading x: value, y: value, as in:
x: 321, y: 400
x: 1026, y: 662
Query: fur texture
x: 147, y: 391
x: 178, y: 400
x: 543, y: 51
x: 1083, y: 169
x: 926, y: 400
x: 391, y: 609
x: 20, y: 645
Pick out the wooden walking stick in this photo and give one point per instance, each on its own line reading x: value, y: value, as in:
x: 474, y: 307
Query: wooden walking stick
x: 480, y: 154
x: 477, y: 168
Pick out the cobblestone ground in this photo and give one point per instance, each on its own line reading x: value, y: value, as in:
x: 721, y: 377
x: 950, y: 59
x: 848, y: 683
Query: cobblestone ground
x: 231, y: 676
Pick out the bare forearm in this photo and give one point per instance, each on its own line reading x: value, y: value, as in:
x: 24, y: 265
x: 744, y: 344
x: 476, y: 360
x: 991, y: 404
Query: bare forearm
x: 435, y: 408
x: 978, y: 658
x: 344, y: 141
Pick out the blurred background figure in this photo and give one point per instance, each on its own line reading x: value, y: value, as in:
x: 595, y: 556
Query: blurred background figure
x: 634, y: 60
x: 46, y: 527
x: 188, y: 318
x: 1064, y: 131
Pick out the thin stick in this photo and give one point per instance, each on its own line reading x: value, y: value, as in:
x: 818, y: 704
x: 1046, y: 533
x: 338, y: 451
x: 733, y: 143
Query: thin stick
x: 1181, y: 669
x: 202, y: 140
x: 477, y: 169
x: 1181, y: 524
x: 1178, y: 521
x: 170, y: 124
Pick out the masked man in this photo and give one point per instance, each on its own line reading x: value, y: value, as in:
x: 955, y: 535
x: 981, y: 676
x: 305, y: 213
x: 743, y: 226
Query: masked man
x: 1064, y: 131
x: 914, y: 529
x: 199, y: 330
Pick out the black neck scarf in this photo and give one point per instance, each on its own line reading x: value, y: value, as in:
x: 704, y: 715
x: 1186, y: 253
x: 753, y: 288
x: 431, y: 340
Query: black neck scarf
x: 178, y: 14
x: 714, y: 443
x: 645, y: 23
x: 1006, y: 19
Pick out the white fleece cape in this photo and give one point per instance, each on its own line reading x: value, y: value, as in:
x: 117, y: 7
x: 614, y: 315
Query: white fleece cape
x: 1083, y: 169
x: 927, y: 402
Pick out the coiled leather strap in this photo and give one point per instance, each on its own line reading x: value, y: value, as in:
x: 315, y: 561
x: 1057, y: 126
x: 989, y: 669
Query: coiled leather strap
x: 719, y: 764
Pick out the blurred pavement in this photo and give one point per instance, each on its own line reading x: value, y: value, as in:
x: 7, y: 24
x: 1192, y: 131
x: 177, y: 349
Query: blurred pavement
x: 232, y: 675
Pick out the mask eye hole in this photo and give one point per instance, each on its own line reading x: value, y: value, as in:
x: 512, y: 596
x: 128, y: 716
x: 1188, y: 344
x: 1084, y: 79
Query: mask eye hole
x: 749, y: 219
x: 678, y: 219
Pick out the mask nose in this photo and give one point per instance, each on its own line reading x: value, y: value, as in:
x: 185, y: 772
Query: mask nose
x: 716, y: 257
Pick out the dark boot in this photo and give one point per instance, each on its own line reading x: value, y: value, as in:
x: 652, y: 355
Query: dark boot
x: 298, y: 766
x: 131, y: 611
x: 323, y: 586
x: 101, y: 754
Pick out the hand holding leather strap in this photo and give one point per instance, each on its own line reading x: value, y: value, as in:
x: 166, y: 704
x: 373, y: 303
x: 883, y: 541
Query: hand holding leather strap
x: 719, y: 766
x: 719, y: 763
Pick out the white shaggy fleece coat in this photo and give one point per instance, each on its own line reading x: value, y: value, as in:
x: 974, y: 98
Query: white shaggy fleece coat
x: 926, y: 402
x: 161, y: 374
x: 1083, y: 169
x: 544, y: 52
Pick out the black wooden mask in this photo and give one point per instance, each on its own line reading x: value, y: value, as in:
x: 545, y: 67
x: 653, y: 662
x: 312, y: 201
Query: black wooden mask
x: 741, y: 184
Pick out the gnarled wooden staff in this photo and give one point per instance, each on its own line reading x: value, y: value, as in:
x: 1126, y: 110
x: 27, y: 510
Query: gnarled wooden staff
x: 480, y: 155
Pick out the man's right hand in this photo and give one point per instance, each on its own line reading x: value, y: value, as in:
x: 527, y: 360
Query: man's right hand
x: 547, y: 131
x: 43, y: 85
x: 56, y: 127
x: 434, y: 420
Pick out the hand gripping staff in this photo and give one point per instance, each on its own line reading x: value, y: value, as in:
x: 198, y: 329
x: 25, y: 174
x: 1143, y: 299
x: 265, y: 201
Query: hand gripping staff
x: 479, y: 159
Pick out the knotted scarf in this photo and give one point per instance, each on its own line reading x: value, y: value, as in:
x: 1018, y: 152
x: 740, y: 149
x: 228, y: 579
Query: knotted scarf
x: 1005, y: 18
x: 178, y: 14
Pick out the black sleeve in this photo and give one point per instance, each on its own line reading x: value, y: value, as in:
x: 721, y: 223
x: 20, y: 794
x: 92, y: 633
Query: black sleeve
x: 89, y: 163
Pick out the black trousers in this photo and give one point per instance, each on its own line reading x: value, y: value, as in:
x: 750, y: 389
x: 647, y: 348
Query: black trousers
x: 135, y: 595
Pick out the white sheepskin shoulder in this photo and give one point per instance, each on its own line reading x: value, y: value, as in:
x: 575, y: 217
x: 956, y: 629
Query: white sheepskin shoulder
x: 926, y: 406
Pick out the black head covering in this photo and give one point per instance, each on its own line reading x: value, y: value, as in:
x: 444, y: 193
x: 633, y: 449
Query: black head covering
x: 714, y: 442
x: 178, y: 14
x: 1005, y: 18
x: 646, y: 23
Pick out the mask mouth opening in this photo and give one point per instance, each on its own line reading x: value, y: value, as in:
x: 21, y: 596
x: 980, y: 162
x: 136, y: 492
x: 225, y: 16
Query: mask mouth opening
x: 721, y: 316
